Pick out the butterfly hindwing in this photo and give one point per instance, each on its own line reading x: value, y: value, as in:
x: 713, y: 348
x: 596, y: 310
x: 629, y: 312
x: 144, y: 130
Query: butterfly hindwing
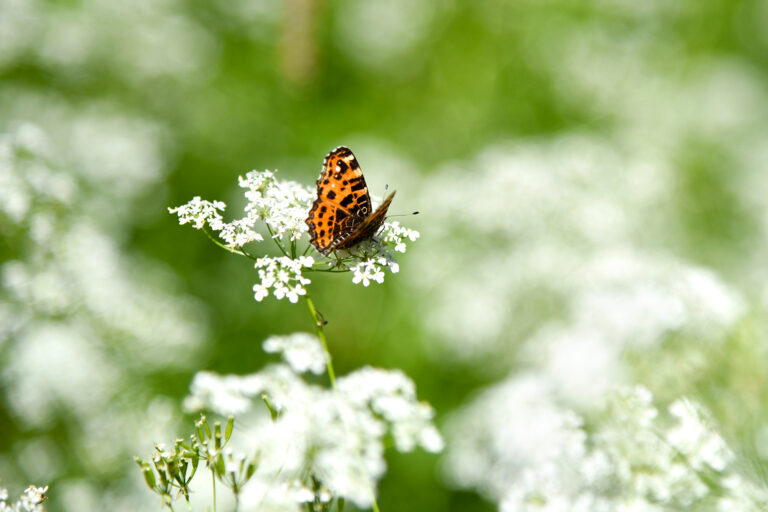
x: 368, y: 227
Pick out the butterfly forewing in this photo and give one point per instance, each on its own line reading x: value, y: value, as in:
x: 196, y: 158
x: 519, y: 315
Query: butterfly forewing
x: 341, y: 216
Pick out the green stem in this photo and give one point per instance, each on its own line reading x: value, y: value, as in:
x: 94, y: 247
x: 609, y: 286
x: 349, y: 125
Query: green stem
x: 332, y: 271
x: 241, y: 251
x: 278, y: 244
x: 213, y: 479
x: 319, y: 323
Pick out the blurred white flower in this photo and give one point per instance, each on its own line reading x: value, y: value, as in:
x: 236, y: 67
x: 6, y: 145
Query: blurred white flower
x: 73, y: 296
x: 625, y: 454
x: 334, y: 436
x: 145, y: 40
x: 302, y: 351
x: 31, y: 501
x: 697, y: 440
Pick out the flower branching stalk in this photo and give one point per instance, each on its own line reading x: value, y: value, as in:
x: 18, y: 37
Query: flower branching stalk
x: 320, y: 322
x: 171, y: 470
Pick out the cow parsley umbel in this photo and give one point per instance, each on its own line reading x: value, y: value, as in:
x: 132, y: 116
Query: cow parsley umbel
x: 277, y: 210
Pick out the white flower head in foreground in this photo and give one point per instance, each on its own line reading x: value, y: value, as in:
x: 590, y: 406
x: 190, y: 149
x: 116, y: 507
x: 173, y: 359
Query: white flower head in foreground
x: 332, y: 438
x: 302, y: 351
x: 283, y: 207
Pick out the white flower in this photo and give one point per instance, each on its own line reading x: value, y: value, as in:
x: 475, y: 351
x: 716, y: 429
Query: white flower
x: 623, y: 458
x: 283, y: 205
x: 394, y: 235
x: 31, y: 501
x: 336, y: 437
x: 282, y: 275
x: 238, y: 233
x: 392, y: 395
x: 369, y: 270
x: 695, y: 439
x: 200, y: 212
x: 302, y: 351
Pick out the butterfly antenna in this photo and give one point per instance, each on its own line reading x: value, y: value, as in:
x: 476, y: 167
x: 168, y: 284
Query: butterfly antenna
x: 403, y: 214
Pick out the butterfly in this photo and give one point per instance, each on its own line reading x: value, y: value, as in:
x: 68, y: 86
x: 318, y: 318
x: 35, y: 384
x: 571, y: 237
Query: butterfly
x: 342, y: 216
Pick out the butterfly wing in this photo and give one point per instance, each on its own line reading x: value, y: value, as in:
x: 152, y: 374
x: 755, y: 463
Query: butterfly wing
x: 368, y: 227
x: 343, y: 203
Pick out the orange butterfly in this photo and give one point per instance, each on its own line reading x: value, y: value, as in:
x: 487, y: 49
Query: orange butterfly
x: 341, y: 216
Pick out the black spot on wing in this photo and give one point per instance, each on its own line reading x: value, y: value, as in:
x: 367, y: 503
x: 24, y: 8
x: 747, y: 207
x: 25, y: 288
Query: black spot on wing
x: 347, y: 201
x: 331, y: 195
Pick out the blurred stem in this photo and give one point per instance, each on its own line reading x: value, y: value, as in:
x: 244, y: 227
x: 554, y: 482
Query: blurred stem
x: 213, y: 479
x: 319, y: 323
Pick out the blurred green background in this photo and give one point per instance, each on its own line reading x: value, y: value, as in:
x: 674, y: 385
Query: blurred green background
x: 146, y: 104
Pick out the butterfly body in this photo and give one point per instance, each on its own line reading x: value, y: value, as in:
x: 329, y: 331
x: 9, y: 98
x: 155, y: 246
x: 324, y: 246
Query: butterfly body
x: 342, y: 216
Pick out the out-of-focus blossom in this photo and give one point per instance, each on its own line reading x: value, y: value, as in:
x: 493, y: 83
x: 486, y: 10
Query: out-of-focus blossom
x: 336, y: 437
x: 85, y: 331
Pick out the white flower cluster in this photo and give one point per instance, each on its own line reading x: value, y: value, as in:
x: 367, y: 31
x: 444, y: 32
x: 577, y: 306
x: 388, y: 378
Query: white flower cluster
x: 375, y: 256
x: 392, y: 395
x: 200, y: 212
x: 625, y: 456
x: 283, y: 205
x: 302, y: 351
x: 333, y: 437
x: 629, y: 460
x: 371, y: 269
x: 394, y: 235
x: 54, y: 307
x: 282, y: 275
x: 31, y: 501
x: 171, y: 43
